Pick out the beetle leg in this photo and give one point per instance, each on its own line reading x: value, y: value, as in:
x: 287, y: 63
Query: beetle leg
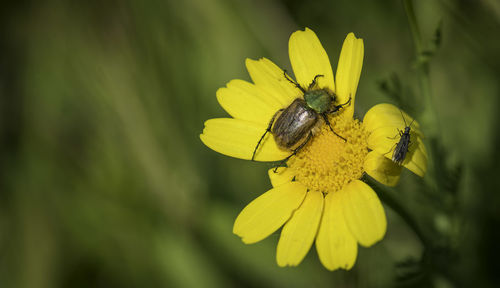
x: 267, y: 130
x: 313, y: 83
x: 295, y: 151
x: 338, y: 107
x: 348, y: 101
x: 328, y: 123
x: 293, y: 82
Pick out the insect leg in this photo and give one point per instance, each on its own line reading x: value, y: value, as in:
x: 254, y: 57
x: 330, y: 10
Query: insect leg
x: 328, y: 123
x: 392, y: 138
x: 267, y: 130
x: 346, y: 103
x: 392, y: 148
x: 313, y: 83
x: 400, y: 132
x: 338, y: 107
x: 295, y: 151
x: 293, y: 82
x: 396, y: 136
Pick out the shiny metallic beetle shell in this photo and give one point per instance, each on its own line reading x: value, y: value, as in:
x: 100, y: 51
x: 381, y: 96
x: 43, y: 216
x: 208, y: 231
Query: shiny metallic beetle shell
x: 292, y: 127
x: 294, y: 124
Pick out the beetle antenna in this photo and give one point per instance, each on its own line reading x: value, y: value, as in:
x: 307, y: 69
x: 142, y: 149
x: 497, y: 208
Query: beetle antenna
x: 293, y: 82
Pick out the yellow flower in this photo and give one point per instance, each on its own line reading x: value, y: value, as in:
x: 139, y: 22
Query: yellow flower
x: 318, y: 195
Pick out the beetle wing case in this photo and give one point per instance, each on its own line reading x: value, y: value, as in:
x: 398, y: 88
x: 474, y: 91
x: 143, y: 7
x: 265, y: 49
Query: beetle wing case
x: 294, y: 124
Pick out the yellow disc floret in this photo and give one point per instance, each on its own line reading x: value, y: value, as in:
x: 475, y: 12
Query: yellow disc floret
x: 328, y: 163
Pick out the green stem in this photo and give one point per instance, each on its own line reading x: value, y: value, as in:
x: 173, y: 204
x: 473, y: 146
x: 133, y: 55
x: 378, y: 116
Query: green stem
x: 428, y: 115
x: 397, y: 207
x: 415, y: 31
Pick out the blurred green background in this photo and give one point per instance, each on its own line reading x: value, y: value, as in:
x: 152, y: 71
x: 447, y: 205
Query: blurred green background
x: 105, y: 183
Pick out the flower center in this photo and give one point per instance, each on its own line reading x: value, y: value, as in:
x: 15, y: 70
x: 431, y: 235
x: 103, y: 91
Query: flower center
x: 327, y: 162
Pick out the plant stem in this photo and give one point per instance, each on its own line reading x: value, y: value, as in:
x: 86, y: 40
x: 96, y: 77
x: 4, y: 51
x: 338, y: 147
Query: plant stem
x: 415, y: 31
x: 397, y: 207
x: 428, y: 115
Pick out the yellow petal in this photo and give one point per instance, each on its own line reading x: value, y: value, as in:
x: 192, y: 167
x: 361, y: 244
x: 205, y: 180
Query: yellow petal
x: 382, y: 169
x: 245, y: 101
x: 349, y: 71
x: 298, y: 233
x: 238, y: 138
x: 417, y: 162
x: 363, y: 213
x: 383, y: 115
x: 268, y: 76
x: 281, y: 176
x: 336, y: 246
x: 308, y: 58
x: 268, y: 212
x: 384, y: 140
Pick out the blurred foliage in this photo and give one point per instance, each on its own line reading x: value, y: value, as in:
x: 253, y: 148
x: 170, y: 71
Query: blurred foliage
x: 105, y: 183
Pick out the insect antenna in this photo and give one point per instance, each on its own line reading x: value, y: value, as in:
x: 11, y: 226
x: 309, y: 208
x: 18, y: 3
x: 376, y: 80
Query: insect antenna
x: 405, y: 120
x: 403, y: 117
x: 411, y: 122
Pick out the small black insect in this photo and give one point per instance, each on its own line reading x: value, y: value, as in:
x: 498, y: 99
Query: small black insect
x: 399, y: 154
x: 293, y: 125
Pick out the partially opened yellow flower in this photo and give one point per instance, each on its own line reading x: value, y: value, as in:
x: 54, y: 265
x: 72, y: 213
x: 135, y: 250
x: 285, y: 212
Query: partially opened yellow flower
x: 318, y: 196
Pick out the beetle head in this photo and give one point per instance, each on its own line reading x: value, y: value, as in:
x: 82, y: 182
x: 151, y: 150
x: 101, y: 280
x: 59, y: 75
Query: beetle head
x: 320, y: 100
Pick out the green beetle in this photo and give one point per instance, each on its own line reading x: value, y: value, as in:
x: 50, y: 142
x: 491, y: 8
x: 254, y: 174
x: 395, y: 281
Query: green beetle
x: 292, y: 127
